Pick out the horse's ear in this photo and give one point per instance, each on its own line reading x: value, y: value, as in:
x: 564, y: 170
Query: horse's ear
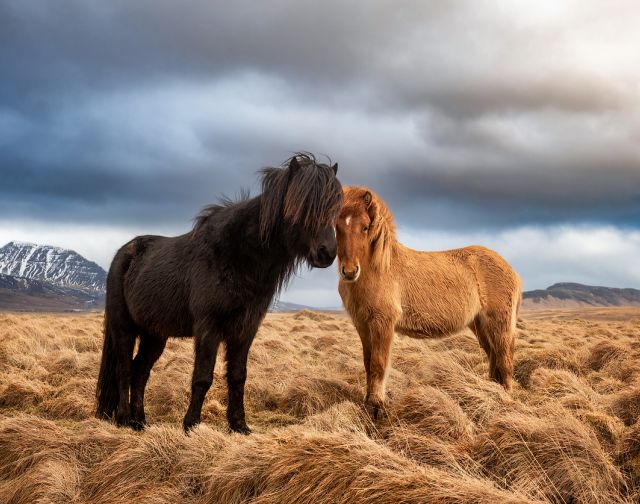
x: 335, y: 168
x: 367, y: 199
x: 371, y: 206
x: 294, y: 166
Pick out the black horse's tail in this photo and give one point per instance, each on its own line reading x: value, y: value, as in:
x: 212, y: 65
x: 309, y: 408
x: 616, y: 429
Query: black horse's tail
x: 116, y: 317
x: 107, y: 390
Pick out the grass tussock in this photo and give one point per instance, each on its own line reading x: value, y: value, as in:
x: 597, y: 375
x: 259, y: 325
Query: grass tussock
x: 431, y: 411
x: 569, y: 432
x: 550, y: 453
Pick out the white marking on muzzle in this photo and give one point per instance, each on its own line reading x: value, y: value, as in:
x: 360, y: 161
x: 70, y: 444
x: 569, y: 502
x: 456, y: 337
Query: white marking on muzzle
x: 347, y: 220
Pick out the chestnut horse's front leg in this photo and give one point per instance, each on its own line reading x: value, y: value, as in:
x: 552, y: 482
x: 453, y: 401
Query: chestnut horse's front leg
x: 363, y: 332
x: 381, y: 332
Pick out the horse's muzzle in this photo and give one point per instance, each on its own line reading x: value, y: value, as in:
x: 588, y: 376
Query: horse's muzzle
x: 323, y: 258
x: 350, y: 276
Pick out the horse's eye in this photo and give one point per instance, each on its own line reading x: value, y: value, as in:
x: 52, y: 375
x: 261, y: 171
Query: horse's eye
x: 365, y: 229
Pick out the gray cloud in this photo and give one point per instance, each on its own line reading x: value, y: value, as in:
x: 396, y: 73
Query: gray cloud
x: 461, y: 116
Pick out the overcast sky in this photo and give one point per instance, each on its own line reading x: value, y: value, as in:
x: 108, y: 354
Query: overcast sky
x: 514, y: 125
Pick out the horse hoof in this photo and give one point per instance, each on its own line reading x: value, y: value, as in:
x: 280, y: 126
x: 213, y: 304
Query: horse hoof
x: 188, y: 425
x: 138, y: 425
x: 122, y: 420
x: 373, y: 408
x: 241, y: 429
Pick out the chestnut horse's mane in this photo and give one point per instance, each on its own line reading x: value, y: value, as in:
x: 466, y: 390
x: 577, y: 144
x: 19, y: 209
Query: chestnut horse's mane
x: 382, y: 230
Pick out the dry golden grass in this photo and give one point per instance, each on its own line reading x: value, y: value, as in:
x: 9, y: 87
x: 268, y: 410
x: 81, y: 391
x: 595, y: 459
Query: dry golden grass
x: 569, y: 432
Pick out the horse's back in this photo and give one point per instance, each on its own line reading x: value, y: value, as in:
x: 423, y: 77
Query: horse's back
x: 498, y: 282
x: 439, y: 295
x: 442, y: 292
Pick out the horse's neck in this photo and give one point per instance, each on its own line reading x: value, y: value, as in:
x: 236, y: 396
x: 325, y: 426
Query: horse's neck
x: 271, y: 259
x: 380, y: 259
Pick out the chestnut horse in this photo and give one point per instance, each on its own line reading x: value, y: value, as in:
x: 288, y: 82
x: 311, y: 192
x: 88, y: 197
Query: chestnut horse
x: 387, y: 288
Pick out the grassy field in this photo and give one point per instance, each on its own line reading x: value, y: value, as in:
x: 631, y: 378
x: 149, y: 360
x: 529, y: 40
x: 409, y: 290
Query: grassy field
x: 568, y: 432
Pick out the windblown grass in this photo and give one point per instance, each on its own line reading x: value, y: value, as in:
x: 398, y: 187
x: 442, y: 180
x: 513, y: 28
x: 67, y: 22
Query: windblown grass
x: 569, y: 432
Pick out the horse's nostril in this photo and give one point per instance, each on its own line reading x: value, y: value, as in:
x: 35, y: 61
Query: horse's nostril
x: 350, y: 275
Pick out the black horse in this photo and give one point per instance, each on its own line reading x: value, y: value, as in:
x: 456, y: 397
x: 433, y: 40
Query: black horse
x: 214, y: 283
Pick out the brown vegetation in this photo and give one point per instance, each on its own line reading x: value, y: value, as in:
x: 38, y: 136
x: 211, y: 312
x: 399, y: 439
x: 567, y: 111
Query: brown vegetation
x: 569, y: 432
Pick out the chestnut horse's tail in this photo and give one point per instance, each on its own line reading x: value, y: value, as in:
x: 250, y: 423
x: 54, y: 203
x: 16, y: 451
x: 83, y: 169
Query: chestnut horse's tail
x: 517, y: 302
x: 115, y: 315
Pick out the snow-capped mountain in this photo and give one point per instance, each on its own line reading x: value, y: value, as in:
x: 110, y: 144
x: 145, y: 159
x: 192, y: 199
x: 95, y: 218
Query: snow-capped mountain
x: 55, y: 265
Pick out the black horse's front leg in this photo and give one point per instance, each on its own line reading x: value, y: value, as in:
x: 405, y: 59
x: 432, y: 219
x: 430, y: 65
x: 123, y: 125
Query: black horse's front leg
x: 237, y: 353
x: 207, y: 342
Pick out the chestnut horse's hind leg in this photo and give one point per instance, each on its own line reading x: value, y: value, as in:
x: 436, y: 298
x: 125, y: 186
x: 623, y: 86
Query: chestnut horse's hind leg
x: 496, y: 335
x: 150, y: 350
x: 207, y: 341
x: 477, y: 328
x: 503, y: 355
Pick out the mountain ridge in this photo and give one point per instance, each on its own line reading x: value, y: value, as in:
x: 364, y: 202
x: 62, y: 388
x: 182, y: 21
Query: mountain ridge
x: 575, y: 295
x: 44, y: 277
x: 55, y: 265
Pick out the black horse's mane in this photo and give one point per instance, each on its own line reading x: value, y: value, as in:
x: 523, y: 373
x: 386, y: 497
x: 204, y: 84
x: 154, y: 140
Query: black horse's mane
x: 210, y: 210
x: 310, y: 196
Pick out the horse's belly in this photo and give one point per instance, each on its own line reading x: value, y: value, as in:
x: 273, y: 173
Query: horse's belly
x: 422, y: 329
x: 434, y: 310
x: 156, y: 310
x: 433, y: 323
x: 163, y: 321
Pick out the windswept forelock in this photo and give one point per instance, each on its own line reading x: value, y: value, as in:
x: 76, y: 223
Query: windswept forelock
x: 382, y: 229
x: 310, y: 195
x: 354, y: 201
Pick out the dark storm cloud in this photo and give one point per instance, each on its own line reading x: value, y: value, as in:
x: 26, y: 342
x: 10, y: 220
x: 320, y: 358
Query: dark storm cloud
x: 491, y: 199
x: 85, y: 44
x: 459, y: 114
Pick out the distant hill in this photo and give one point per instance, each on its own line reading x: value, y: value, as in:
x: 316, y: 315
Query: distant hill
x: 24, y: 294
x: 575, y: 295
x: 283, y: 306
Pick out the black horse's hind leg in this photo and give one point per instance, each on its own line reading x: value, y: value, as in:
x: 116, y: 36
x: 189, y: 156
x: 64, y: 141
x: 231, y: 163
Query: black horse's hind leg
x: 124, y: 342
x: 206, y: 349
x: 237, y: 353
x: 150, y: 350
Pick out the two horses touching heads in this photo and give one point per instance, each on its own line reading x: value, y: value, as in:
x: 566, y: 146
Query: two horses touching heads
x: 214, y: 283
x: 217, y: 282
